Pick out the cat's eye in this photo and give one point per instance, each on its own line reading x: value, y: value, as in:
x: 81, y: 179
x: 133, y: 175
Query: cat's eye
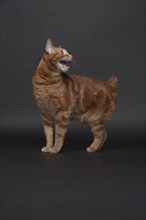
x: 61, y: 52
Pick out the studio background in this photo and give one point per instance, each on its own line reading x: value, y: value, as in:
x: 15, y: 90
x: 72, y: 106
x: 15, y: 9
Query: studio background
x: 105, y: 38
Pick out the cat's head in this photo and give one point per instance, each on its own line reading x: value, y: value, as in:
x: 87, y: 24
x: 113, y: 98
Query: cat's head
x: 57, y: 57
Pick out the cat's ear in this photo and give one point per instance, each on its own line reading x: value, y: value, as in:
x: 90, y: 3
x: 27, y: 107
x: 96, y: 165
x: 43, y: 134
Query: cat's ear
x: 49, y: 47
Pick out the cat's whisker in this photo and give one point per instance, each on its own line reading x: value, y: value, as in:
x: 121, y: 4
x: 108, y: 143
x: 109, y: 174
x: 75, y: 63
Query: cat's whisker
x: 74, y: 63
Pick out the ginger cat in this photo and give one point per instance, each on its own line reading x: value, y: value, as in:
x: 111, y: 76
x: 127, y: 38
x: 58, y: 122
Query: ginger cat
x: 62, y: 97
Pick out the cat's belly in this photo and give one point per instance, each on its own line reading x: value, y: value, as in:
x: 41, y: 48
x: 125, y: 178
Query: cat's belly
x: 79, y: 116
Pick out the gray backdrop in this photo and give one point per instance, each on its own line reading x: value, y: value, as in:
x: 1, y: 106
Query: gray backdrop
x: 105, y: 37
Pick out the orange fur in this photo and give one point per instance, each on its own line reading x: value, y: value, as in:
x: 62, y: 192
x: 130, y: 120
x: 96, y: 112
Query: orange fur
x: 61, y: 98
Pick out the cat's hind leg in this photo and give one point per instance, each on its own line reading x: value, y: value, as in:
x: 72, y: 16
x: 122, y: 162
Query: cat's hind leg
x: 100, y: 136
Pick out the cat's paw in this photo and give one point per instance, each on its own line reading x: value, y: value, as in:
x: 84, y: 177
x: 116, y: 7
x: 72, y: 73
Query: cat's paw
x: 91, y: 149
x: 54, y: 150
x: 46, y: 149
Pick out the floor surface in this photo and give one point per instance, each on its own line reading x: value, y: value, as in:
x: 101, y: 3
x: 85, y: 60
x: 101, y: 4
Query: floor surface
x: 72, y: 185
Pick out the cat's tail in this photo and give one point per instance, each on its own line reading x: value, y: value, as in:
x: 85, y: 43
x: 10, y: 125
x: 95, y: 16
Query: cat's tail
x: 113, y: 81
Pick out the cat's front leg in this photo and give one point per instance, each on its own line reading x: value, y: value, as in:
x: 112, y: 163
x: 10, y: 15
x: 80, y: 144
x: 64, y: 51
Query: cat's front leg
x: 60, y: 131
x: 48, y: 129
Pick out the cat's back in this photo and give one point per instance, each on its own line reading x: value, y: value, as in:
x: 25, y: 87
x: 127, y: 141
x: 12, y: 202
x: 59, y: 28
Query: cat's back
x: 95, y: 82
x: 90, y: 84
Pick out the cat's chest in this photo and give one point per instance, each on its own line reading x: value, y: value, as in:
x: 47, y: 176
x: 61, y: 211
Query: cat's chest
x: 49, y: 101
x: 48, y: 105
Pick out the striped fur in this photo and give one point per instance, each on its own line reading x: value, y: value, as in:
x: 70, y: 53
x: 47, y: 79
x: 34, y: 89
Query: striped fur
x: 61, y: 98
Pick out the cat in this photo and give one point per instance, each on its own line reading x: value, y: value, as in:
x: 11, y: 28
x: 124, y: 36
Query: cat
x: 61, y: 97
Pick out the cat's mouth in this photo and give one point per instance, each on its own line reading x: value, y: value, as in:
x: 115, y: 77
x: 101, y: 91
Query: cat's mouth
x: 65, y: 64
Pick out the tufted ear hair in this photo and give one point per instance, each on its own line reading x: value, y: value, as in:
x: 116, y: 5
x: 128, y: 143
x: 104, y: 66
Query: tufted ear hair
x: 49, y: 46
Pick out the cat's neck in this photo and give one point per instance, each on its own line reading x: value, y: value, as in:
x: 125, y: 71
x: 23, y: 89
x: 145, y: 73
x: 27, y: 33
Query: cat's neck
x: 46, y: 74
